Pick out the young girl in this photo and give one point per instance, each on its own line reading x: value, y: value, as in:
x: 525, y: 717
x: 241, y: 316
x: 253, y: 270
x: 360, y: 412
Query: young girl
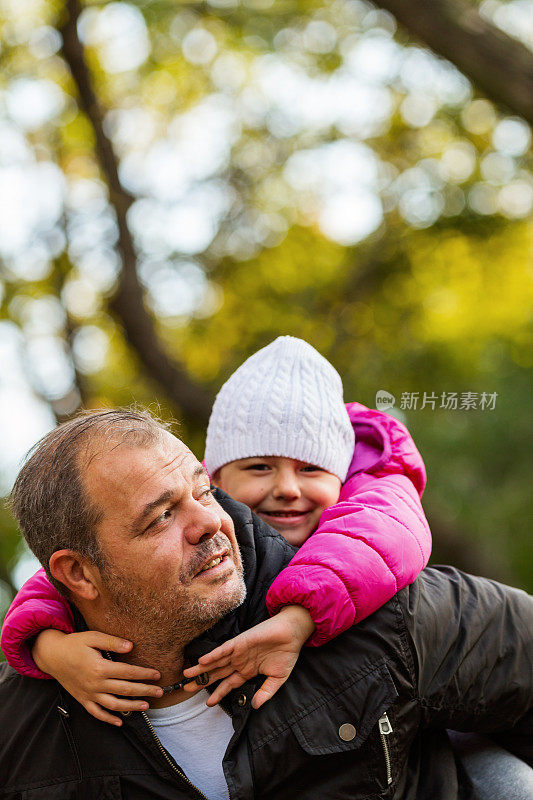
x: 280, y: 440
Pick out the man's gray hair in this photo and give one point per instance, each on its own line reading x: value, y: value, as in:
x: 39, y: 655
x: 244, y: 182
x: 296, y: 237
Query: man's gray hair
x: 49, y: 499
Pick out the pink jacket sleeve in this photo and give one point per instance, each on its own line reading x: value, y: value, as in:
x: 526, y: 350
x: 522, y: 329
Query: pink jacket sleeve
x: 37, y: 606
x: 369, y: 545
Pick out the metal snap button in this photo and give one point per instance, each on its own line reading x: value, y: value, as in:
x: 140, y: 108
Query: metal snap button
x: 347, y: 732
x: 241, y: 700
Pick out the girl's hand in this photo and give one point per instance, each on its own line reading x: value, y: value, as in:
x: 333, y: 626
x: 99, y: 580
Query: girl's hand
x: 75, y: 660
x: 270, y: 648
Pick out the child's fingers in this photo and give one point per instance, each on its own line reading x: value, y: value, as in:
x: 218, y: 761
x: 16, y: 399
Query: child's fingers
x: 233, y: 682
x: 133, y: 689
x: 104, y: 641
x: 118, y: 704
x: 193, y: 687
x: 214, y: 676
x: 222, y: 651
x: 266, y: 691
x: 97, y: 711
x: 193, y: 672
x: 127, y: 672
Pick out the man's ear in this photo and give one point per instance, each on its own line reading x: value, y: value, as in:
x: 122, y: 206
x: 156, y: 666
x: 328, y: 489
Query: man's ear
x: 73, y: 570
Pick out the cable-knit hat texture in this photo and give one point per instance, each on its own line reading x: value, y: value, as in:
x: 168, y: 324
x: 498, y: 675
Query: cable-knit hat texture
x: 285, y: 400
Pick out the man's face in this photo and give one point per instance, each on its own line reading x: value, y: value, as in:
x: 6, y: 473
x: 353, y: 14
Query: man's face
x: 172, y: 562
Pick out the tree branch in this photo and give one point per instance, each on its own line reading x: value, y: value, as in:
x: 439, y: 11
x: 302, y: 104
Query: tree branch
x: 193, y: 400
x: 500, y: 66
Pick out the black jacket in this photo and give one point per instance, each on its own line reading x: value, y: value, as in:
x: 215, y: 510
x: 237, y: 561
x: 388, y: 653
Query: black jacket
x: 361, y: 717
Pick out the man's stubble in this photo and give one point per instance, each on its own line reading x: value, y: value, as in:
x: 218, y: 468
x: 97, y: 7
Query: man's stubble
x: 166, y: 618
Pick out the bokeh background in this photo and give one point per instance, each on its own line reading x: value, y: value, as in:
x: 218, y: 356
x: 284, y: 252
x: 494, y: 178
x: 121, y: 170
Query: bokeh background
x: 181, y: 182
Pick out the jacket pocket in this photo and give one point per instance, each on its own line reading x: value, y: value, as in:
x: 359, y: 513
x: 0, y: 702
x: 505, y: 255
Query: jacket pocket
x: 340, y: 747
x: 344, y: 721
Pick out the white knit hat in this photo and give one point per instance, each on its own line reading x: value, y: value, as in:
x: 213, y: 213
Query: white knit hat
x: 285, y: 400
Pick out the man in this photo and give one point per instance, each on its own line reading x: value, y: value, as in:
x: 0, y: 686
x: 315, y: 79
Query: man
x: 121, y: 514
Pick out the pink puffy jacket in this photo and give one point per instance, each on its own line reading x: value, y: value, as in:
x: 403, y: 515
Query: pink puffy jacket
x: 369, y: 545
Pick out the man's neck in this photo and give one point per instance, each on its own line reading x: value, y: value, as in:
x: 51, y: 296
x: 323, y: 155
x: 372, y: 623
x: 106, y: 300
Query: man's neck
x: 170, y: 665
x: 171, y: 670
x: 151, y: 649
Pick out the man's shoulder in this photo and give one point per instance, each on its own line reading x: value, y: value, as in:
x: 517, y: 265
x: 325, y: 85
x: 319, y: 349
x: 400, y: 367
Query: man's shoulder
x: 36, y: 758
x: 15, y: 688
x: 7, y: 673
x: 441, y: 601
x: 9, y: 678
x: 26, y: 706
x: 446, y: 609
x: 423, y: 622
x: 444, y: 585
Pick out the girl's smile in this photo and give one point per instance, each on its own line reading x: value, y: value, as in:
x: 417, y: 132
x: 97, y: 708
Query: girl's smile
x: 289, y: 495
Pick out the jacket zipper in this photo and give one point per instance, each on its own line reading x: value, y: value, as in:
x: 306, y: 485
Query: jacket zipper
x: 63, y: 713
x: 169, y: 762
x: 164, y: 752
x: 385, y: 729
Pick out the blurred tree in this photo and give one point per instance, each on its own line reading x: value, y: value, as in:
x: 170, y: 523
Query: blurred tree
x: 204, y: 177
x: 498, y: 65
x: 191, y: 398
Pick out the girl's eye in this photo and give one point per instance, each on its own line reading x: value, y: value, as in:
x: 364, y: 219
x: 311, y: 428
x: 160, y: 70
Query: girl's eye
x: 311, y: 468
x: 257, y: 467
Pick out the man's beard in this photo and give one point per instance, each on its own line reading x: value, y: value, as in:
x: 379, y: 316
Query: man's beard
x: 167, y: 617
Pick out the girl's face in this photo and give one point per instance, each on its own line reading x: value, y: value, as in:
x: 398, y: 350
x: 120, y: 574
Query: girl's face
x: 290, y: 495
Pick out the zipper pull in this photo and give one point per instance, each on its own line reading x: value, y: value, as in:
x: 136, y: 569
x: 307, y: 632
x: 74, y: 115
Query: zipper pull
x: 384, y: 725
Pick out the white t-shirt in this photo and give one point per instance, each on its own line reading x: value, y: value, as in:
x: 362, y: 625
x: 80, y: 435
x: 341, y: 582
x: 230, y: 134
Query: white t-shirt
x: 196, y: 736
